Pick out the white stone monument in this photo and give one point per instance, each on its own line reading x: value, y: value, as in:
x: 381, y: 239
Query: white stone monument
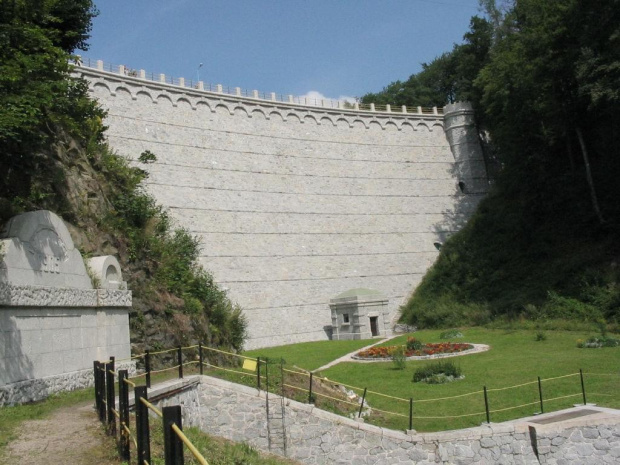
x: 53, y: 322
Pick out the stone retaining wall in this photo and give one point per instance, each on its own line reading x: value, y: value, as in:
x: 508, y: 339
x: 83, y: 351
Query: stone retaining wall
x: 315, y: 436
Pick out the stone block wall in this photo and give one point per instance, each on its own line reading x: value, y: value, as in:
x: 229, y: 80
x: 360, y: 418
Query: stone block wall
x: 315, y: 436
x: 295, y: 205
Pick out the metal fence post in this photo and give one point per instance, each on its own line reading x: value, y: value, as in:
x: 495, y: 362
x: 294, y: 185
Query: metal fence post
x: 583, y: 387
x: 123, y: 401
x: 411, y: 413
x: 97, y: 386
x: 147, y: 368
x: 258, y: 372
x: 540, y: 394
x: 142, y: 426
x: 486, y: 404
x: 173, y: 446
x: 110, y: 397
x: 310, y: 390
x: 180, y: 361
x: 102, y: 391
x: 362, y: 404
x: 200, y: 357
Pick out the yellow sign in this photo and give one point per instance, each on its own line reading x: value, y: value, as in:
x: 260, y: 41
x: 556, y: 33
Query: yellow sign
x: 249, y: 365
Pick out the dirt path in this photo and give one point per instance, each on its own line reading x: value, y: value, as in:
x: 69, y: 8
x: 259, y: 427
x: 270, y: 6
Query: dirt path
x: 70, y: 435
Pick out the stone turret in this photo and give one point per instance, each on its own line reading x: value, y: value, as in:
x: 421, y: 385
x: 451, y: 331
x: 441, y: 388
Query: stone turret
x: 462, y: 135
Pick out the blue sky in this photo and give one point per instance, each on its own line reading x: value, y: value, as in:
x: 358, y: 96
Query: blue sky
x: 333, y: 47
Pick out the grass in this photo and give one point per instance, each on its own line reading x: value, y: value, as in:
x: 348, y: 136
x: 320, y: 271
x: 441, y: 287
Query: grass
x: 515, y: 358
x: 12, y: 417
x: 310, y: 355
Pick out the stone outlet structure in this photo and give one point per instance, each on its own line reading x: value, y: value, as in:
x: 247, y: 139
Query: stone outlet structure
x: 296, y: 204
x: 584, y: 435
x: 53, y: 322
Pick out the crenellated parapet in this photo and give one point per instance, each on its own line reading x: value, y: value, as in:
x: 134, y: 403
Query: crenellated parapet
x: 162, y: 92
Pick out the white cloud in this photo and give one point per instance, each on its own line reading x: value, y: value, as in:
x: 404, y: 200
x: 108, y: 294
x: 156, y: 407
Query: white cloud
x: 316, y: 96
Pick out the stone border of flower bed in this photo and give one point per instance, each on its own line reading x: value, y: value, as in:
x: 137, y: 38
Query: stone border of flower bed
x: 477, y: 348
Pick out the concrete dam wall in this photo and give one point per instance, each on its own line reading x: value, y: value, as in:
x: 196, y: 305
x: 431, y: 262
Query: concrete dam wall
x: 295, y: 204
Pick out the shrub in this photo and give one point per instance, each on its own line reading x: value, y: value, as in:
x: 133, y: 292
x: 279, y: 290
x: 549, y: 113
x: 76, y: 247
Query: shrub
x: 414, y: 344
x: 541, y: 336
x: 437, y: 373
x: 451, y: 334
x: 399, y: 357
x: 596, y: 342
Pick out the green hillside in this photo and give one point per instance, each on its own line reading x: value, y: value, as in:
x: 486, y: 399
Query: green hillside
x: 544, y: 78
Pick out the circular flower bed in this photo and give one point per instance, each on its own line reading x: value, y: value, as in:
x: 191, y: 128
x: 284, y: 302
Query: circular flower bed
x: 385, y: 352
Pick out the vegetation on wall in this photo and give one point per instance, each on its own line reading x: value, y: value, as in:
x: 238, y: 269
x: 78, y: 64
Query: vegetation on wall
x: 53, y: 156
x: 544, y: 78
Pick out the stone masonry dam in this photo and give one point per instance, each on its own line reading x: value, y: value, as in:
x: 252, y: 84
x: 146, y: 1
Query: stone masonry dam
x: 295, y: 204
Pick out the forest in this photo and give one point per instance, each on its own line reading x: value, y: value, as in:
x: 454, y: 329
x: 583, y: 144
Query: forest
x: 543, y: 247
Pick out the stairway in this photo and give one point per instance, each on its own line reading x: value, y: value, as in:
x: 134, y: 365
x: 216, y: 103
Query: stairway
x: 275, y: 407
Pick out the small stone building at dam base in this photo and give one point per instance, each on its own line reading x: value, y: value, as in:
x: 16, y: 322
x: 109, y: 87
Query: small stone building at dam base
x: 295, y: 204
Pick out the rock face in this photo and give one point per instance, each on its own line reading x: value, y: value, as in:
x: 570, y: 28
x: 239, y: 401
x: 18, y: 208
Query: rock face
x: 296, y: 204
x: 53, y: 323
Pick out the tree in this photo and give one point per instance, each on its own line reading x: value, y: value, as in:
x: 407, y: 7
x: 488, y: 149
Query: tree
x: 36, y: 90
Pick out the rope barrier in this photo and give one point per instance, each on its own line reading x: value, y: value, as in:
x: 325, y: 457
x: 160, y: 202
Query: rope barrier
x: 374, y: 409
x: 337, y: 400
x: 118, y: 415
x: 512, y: 387
x: 563, y: 397
x: 297, y: 372
x: 164, y: 369
x: 162, y: 351
x: 560, y: 377
x: 226, y: 369
x: 130, y: 435
x: 447, y: 398
x: 229, y: 353
x: 189, y: 444
x: 152, y: 407
x: 451, y: 416
x: 131, y: 383
x: 512, y: 408
x: 602, y: 374
x: 189, y: 347
x: 385, y: 395
x: 339, y: 383
x: 140, y: 375
x: 597, y: 394
x: 296, y: 387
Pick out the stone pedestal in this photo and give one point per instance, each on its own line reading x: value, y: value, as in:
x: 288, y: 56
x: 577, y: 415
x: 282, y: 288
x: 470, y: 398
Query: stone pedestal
x: 53, y: 323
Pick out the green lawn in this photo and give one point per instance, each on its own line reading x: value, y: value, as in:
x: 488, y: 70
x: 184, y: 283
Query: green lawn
x: 515, y: 358
x: 310, y: 355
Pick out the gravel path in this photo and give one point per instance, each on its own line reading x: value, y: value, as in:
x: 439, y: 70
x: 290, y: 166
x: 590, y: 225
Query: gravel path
x: 69, y: 436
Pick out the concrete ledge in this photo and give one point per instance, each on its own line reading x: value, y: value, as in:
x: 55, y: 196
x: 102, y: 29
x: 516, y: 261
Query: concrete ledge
x: 38, y: 296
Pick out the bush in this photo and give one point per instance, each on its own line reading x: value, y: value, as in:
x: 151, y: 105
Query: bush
x: 541, y: 336
x: 414, y: 344
x: 596, y: 342
x: 437, y: 373
x: 451, y: 334
x: 399, y: 358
